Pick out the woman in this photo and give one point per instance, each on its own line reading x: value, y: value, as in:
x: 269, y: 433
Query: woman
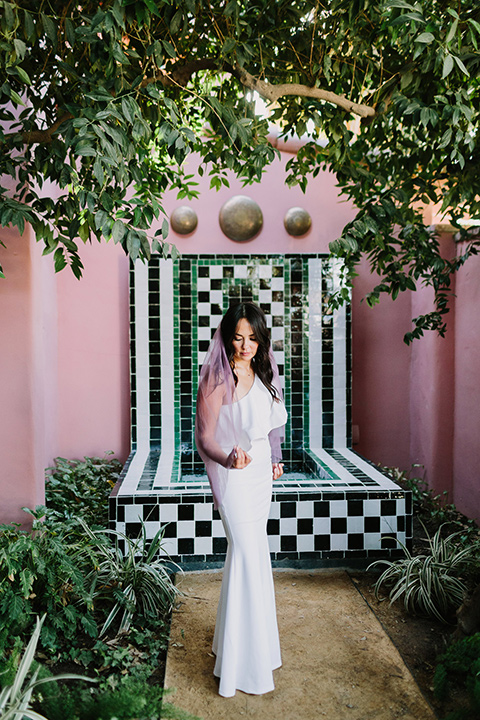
x: 240, y: 417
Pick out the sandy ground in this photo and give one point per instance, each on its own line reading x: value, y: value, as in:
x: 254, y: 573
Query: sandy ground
x: 337, y: 660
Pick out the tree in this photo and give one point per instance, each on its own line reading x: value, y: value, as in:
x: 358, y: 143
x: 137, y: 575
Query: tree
x: 106, y: 100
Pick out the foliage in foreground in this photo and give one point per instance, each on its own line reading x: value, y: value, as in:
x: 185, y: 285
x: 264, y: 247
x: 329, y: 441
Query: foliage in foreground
x: 132, y: 697
x: 80, y: 488
x: 106, y: 101
x: 433, y: 583
x: 459, y: 666
x: 43, y: 571
x: 15, y: 699
x: 133, y: 577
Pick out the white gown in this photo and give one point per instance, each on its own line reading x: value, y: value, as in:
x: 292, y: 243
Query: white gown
x: 246, y: 642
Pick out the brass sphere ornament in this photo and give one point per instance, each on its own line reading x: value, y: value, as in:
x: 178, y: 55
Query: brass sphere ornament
x: 240, y: 218
x: 183, y: 220
x: 297, y: 221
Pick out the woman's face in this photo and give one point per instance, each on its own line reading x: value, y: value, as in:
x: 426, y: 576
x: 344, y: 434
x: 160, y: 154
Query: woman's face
x: 244, y: 343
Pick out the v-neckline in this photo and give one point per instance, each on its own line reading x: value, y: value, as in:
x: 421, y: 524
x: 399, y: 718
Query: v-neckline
x: 248, y: 391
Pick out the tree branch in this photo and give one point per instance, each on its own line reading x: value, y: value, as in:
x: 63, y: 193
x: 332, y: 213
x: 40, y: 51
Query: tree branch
x: 181, y: 74
x: 30, y: 137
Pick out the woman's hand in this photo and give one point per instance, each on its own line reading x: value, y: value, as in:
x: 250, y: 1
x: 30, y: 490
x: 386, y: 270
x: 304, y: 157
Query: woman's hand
x: 240, y: 459
x: 277, y: 470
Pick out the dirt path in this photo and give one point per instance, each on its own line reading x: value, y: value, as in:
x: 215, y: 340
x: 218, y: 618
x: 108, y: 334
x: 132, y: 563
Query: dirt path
x: 338, y: 662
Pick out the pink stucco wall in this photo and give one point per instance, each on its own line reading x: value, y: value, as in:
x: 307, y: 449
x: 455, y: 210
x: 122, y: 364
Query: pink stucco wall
x: 93, y: 365
x: 27, y: 370
x: 380, y: 375
x: 466, y: 454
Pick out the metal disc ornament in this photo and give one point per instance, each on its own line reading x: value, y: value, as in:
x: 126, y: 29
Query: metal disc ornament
x: 240, y: 218
x: 297, y: 221
x: 183, y: 220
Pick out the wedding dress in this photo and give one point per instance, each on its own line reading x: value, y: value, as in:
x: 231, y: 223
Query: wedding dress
x: 246, y: 642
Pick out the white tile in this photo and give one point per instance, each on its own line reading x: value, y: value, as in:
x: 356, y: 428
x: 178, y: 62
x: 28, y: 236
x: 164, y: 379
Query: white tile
x: 168, y: 512
x: 264, y: 271
x: 305, y: 543
x: 371, y: 508
x: 217, y: 529
x: 277, y: 283
x: 186, y: 529
x: 278, y: 308
x: 240, y: 271
x: 133, y: 513
x: 204, y: 333
x: 274, y: 510
x: 169, y: 547
x: 355, y: 525
x: 265, y: 296
x: 274, y: 543
x: 203, y: 546
x: 203, y: 511
x: 321, y: 526
x: 372, y: 541
x: 203, y: 308
x: 305, y: 509
x: 151, y: 529
x: 203, y: 283
x: 338, y: 508
x: 388, y: 524
x: 338, y: 542
x: 216, y: 271
x: 216, y: 296
x: 288, y: 526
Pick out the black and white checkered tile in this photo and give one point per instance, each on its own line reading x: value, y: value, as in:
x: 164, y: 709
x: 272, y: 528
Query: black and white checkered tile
x: 302, y: 525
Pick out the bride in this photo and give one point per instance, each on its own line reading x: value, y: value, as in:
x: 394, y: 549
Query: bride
x: 239, y: 422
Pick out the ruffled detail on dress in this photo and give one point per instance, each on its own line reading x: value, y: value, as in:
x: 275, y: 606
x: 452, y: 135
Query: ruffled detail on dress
x: 257, y: 414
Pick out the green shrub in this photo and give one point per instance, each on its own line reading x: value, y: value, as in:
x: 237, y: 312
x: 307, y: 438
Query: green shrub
x: 80, y: 488
x: 125, y: 699
x: 137, y: 581
x: 43, y: 571
x: 459, y: 666
x: 15, y: 697
x: 430, y: 584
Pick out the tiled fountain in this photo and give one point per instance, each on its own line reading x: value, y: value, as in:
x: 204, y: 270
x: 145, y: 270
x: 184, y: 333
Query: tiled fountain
x: 331, y: 506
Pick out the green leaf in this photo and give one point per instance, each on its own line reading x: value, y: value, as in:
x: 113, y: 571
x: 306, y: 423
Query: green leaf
x: 452, y: 31
x: 118, y: 231
x: 49, y: 28
x: 20, y: 48
x: 426, y: 38
x: 29, y: 26
x: 23, y: 75
x: 461, y: 65
x: 59, y: 260
x: 447, y: 66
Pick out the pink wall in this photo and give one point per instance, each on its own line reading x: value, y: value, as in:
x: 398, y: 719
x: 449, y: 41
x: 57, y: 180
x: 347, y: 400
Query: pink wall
x: 26, y: 369
x: 93, y: 347
x: 329, y: 215
x: 380, y: 375
x: 466, y: 455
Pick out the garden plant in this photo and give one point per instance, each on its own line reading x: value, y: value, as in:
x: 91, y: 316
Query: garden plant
x: 105, y: 613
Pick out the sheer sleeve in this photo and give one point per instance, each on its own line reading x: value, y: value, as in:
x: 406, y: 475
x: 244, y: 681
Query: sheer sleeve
x: 209, y: 403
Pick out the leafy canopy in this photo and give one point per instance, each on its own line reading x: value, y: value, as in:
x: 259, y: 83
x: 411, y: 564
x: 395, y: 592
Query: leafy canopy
x: 106, y: 100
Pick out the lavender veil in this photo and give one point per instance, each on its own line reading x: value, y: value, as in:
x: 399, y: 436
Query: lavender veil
x: 216, y: 390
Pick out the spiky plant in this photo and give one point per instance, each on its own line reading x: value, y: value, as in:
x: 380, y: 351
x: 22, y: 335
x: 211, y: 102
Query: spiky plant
x: 432, y: 583
x: 137, y: 581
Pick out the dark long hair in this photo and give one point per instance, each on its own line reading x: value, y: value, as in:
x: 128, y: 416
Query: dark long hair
x: 261, y: 360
